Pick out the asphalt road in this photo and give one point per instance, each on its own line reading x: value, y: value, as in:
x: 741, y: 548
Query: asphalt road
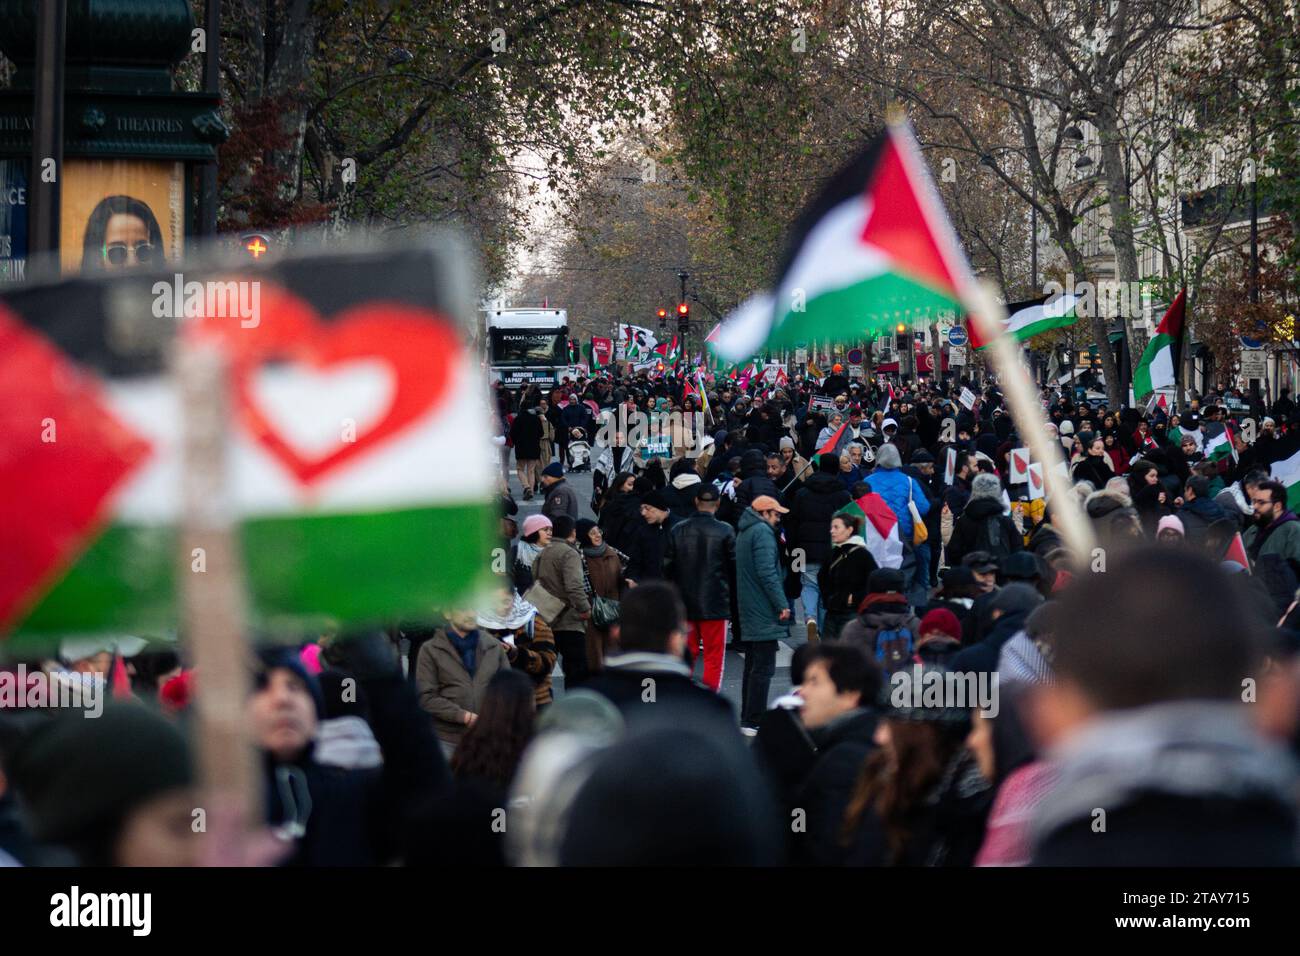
x: 733, y: 667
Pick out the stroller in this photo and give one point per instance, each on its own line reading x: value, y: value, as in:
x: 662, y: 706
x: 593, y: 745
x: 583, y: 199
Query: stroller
x: 579, y: 451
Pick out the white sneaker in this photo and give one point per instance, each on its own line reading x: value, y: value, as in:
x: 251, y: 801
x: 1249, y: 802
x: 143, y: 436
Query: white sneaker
x: 749, y: 731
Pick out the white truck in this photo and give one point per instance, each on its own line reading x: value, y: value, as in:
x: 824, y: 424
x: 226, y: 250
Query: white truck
x: 527, y: 345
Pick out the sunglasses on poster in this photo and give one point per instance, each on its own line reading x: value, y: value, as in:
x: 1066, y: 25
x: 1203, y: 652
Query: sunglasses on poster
x: 117, y: 253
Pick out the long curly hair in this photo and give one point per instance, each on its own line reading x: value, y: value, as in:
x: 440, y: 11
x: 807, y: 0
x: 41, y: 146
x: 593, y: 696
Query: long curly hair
x: 491, y: 748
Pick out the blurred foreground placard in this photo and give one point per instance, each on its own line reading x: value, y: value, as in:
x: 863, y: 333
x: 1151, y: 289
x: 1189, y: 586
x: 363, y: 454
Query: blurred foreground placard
x: 356, y: 481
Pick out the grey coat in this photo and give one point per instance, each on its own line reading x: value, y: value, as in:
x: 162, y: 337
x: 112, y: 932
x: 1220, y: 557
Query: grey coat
x: 561, y: 499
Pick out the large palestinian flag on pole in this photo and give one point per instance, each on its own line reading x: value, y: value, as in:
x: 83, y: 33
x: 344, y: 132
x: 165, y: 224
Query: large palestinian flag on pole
x: 873, y: 249
x: 359, y: 478
x: 1033, y: 317
x: 1158, y: 367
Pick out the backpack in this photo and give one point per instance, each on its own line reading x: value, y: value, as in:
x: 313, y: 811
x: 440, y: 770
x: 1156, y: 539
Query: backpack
x: 991, y: 537
x: 894, y: 648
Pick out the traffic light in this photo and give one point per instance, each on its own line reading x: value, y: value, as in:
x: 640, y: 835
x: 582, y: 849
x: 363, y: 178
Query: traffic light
x: 683, y: 319
x: 900, y: 343
x: 663, y: 317
x: 256, y: 244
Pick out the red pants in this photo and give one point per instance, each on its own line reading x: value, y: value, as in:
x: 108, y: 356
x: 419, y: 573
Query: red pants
x: 713, y: 636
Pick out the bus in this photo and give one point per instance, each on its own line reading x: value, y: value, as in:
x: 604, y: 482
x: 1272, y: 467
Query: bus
x: 527, y: 345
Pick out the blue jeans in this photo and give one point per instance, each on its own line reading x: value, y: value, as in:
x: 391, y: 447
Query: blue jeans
x: 760, y: 665
x: 811, y: 595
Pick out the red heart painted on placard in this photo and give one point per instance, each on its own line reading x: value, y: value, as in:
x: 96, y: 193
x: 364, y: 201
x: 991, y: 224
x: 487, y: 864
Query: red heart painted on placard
x: 1036, y: 478
x: 419, y: 347
x: 1021, y: 464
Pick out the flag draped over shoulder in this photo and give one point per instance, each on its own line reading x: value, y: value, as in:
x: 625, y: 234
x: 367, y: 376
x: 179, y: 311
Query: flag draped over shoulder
x: 879, y: 529
x: 873, y: 249
x: 1158, y: 366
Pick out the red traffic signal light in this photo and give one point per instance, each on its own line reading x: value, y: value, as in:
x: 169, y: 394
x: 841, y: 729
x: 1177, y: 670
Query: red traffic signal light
x: 683, y: 310
x: 256, y: 244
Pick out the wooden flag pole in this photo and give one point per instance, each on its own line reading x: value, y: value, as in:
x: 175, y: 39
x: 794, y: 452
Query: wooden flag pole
x: 213, y: 618
x: 1068, y: 519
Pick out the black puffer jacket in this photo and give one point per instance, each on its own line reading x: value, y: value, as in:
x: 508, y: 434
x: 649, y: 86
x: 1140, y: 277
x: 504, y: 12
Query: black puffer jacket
x: 701, y: 560
x: 753, y: 468
x: 808, y: 525
x: 843, y: 578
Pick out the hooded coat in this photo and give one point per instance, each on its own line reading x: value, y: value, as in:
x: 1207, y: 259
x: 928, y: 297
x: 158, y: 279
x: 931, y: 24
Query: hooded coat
x: 975, y: 518
x: 759, y: 589
x: 880, y: 612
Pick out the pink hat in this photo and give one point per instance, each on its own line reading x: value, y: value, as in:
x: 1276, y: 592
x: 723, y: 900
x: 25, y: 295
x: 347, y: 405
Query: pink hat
x: 534, y: 523
x: 1172, y: 522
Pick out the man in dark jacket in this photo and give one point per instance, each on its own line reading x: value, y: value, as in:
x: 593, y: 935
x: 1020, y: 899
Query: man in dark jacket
x: 1160, y: 741
x: 839, y: 689
x: 1199, y: 509
x: 648, y: 538
x: 561, y: 499
x: 701, y: 560
x: 754, y: 480
x: 807, y: 528
x: 647, y: 678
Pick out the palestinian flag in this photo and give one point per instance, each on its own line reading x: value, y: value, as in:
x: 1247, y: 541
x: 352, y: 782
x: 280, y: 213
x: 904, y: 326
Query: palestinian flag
x: 1158, y: 366
x: 873, y: 249
x: 669, y: 352
x: 1030, y: 318
x: 889, y: 400
x: 347, y: 400
x: 1237, y: 552
x: 1286, y: 468
x: 1219, y: 447
x: 832, y: 446
x: 879, y: 529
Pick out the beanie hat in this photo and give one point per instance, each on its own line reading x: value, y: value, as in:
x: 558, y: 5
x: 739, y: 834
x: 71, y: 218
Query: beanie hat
x: 285, y: 658
x: 78, y: 777
x: 584, y: 526
x: 828, y: 463
x: 787, y: 442
x: 1172, y: 522
x: 1067, y: 427
x: 657, y: 499
x: 553, y: 470
x: 986, y: 486
x: 535, y: 523
x: 942, y: 621
x: 922, y: 457
x: 884, y: 580
x: 1015, y: 598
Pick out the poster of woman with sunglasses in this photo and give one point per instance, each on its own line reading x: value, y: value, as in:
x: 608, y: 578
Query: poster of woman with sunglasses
x: 121, y: 214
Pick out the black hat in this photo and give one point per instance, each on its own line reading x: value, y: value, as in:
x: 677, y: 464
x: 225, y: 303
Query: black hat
x: 657, y: 499
x: 980, y: 561
x: 1021, y: 566
x: 922, y: 457
x: 707, y: 492
x: 883, y: 580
